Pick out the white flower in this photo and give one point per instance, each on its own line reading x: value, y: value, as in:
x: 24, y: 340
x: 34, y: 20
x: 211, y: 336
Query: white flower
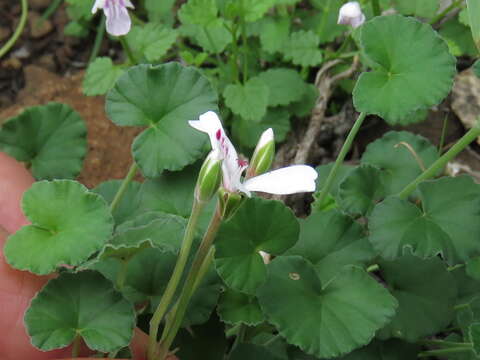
x: 287, y: 180
x: 351, y: 14
x: 118, y: 19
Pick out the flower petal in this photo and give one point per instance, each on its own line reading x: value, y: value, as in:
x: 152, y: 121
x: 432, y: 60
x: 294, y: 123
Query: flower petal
x: 99, y: 4
x: 209, y: 123
x: 288, y: 180
x: 118, y: 19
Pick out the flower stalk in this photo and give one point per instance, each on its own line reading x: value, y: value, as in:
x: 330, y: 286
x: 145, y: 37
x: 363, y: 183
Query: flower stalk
x: 200, y: 265
x: 175, y: 278
x: 340, y: 158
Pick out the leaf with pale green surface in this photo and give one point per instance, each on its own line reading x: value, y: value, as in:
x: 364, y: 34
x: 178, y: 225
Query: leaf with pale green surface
x: 151, y: 41
x: 238, y: 308
x: 330, y: 241
x: 199, y: 12
x: 324, y: 21
x: 69, y: 223
x: 274, y: 33
x: 213, y: 39
x: 248, y: 132
x: 100, y: 77
x: 399, y: 166
x: 259, y: 224
x: 249, y: 100
x: 424, y: 8
x: 458, y: 37
x: 285, y: 86
x: 302, y: 48
x: 83, y: 304
x: 327, y: 319
x: 425, y: 302
x: 163, y: 98
x: 447, y: 223
x: 51, y: 138
x: 412, y: 68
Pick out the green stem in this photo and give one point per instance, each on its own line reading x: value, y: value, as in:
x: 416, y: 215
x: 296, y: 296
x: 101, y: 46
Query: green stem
x: 18, y: 31
x: 76, y: 346
x: 202, y: 256
x: 128, y: 50
x: 441, y: 352
x: 98, y: 40
x: 123, y: 187
x: 175, y: 278
x: 444, y: 13
x: 343, y: 152
x: 234, y: 60
x: 245, y: 51
x: 376, y: 8
x: 49, y: 11
x: 461, y: 144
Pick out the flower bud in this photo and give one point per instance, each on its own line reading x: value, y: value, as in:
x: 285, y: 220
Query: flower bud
x: 230, y: 202
x: 263, y: 155
x: 351, y: 14
x: 209, y: 177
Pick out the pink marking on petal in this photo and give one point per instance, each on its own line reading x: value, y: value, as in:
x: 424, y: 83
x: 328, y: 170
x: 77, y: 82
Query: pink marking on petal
x: 242, y: 163
x: 218, y: 134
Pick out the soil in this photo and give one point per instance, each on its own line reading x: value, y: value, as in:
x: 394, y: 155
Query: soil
x: 45, y: 66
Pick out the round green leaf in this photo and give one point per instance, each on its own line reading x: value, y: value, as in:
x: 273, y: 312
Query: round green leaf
x: 259, y: 224
x: 250, y: 100
x: 235, y: 308
x: 163, y: 98
x: 399, y: 166
x: 83, y: 304
x: 330, y: 240
x: 324, y: 319
x: 426, y: 294
x: 448, y: 222
x: 69, y: 223
x: 360, y: 190
x: 414, y: 68
x: 285, y: 86
x: 51, y: 138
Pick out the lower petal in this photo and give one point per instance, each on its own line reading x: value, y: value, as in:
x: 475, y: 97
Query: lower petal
x: 118, y: 20
x: 288, y: 180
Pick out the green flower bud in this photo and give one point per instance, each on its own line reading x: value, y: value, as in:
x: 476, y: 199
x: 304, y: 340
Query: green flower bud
x: 230, y: 202
x: 209, y: 177
x: 263, y: 155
